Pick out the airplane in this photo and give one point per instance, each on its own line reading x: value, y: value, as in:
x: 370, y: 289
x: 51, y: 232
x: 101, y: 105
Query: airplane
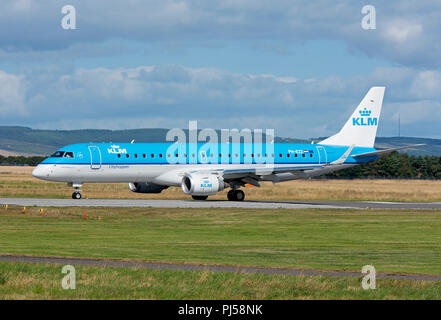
x: 148, y: 167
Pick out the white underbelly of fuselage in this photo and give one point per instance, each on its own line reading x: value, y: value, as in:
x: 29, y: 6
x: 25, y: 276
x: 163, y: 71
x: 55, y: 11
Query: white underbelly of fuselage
x: 166, y: 174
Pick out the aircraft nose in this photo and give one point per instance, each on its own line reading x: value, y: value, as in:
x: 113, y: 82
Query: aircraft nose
x: 41, y: 172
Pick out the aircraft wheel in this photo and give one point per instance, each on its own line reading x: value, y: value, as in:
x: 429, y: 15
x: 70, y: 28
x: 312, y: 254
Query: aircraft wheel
x: 235, y: 195
x: 199, y: 197
x: 240, y: 195
x: 76, y: 195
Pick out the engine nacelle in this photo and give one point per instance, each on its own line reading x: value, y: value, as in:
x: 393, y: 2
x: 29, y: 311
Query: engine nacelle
x: 146, y: 187
x: 202, y: 185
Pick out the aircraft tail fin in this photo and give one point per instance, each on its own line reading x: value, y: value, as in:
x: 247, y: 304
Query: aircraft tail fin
x: 361, y: 128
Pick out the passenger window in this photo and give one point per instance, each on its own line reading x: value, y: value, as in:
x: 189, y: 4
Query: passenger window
x: 127, y: 155
x: 288, y: 155
x: 280, y: 156
x: 143, y: 155
x: 160, y: 155
x: 304, y: 155
x: 119, y: 156
x: 296, y: 155
x: 310, y: 155
x: 136, y: 155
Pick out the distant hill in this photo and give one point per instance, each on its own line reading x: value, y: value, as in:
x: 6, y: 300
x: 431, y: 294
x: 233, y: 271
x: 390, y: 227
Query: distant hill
x: 27, y: 141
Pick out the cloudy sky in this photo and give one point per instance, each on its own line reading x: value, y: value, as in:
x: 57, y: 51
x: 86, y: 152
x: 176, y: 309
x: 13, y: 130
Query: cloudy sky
x: 299, y: 67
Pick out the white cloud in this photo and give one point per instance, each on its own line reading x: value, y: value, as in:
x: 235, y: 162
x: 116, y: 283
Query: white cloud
x: 407, y: 32
x: 427, y: 84
x: 12, y: 94
x: 402, y: 31
x: 171, y: 95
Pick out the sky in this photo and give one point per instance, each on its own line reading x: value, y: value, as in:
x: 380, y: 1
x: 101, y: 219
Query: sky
x: 299, y: 67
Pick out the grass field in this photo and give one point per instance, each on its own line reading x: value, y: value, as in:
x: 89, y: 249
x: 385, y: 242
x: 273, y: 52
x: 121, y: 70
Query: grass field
x: 18, y: 182
x: 392, y: 241
x: 396, y: 241
x: 39, y: 281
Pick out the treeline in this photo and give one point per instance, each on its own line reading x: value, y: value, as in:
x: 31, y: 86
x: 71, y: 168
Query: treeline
x: 395, y: 165
x: 20, y: 161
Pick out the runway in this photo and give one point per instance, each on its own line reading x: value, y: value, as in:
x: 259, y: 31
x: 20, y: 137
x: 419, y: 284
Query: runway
x: 247, y: 204
x: 212, y: 268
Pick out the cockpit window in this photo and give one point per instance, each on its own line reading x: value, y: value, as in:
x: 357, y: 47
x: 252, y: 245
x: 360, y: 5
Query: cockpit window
x: 58, y: 154
x: 69, y: 155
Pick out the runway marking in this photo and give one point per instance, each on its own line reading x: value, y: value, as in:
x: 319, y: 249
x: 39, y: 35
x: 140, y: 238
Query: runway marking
x: 212, y: 268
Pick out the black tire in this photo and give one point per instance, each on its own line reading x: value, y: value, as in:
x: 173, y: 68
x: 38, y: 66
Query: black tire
x: 76, y: 195
x: 240, y: 195
x: 235, y: 195
x: 199, y: 197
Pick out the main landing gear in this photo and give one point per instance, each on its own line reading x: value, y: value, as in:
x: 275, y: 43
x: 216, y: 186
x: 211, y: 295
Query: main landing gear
x: 232, y: 195
x: 235, y: 195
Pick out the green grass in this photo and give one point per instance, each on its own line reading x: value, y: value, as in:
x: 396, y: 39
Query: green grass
x: 39, y: 281
x: 402, y: 241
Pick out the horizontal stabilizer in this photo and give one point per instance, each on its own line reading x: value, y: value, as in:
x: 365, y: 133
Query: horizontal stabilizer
x: 382, y: 153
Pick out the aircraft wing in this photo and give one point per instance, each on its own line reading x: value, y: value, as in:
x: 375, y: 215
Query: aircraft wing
x: 269, y: 170
x: 253, y: 172
x: 382, y: 153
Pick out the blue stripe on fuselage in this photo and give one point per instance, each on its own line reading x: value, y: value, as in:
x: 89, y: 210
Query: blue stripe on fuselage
x: 136, y: 151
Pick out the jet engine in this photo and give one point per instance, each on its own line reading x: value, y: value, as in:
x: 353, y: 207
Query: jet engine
x: 146, y: 187
x: 202, y: 185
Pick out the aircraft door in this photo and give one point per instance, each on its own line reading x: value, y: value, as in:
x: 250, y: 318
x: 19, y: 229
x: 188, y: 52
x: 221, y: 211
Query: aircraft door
x: 323, y: 157
x: 95, y: 157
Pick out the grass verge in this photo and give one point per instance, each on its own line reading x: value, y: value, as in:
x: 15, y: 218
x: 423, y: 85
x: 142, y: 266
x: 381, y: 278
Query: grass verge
x: 399, y: 241
x: 39, y: 281
x: 18, y: 182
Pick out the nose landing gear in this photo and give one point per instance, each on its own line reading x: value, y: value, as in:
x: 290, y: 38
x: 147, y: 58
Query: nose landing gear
x: 77, y: 193
x: 235, y: 195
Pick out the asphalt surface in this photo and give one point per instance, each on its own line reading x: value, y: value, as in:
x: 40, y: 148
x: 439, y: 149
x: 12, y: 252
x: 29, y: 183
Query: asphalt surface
x: 247, y: 204
x: 213, y: 268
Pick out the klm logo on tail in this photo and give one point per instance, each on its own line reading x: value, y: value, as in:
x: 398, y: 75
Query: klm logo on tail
x: 365, y: 119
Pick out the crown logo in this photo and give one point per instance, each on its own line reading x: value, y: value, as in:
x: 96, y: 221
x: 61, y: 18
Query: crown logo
x: 365, y: 112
